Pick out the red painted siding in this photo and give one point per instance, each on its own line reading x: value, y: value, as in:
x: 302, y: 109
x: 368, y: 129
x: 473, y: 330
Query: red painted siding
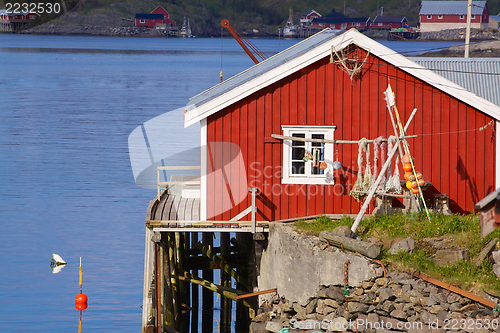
x: 451, y: 19
x: 147, y: 23
x: 456, y: 159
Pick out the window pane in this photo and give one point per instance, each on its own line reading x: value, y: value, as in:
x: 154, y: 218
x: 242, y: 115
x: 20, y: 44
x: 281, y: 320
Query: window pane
x: 298, y: 168
x: 298, y: 153
x: 317, y: 136
x: 317, y: 171
x: 320, y: 147
x: 298, y: 143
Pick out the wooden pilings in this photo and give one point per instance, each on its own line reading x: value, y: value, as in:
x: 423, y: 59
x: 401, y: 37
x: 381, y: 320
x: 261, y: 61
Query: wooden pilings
x: 174, y: 261
x: 207, y: 295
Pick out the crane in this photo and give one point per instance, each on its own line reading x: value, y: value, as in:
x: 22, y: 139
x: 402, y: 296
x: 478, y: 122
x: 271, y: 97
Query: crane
x: 244, y: 42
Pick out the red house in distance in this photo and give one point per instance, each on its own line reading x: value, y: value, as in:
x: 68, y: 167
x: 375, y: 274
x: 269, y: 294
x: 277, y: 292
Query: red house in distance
x: 389, y: 22
x: 300, y: 93
x: 10, y: 21
x: 339, y: 21
x: 159, y: 17
x: 441, y: 15
x: 307, y: 17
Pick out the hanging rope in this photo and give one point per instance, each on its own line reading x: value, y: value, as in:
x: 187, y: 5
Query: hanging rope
x: 377, y: 144
x: 393, y: 184
x: 360, y: 183
x: 367, y: 180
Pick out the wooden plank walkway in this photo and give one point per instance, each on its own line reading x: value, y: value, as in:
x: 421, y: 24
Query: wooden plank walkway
x: 173, y: 213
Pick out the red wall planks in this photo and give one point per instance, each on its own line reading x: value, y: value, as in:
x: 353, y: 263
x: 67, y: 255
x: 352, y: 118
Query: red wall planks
x: 460, y: 164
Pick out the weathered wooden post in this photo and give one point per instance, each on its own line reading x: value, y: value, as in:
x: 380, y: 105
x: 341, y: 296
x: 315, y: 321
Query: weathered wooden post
x: 208, y: 296
x: 226, y: 282
x: 194, y: 291
x: 158, y: 283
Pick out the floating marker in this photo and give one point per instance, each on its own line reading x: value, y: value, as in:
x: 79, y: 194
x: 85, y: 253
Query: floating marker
x: 81, y: 299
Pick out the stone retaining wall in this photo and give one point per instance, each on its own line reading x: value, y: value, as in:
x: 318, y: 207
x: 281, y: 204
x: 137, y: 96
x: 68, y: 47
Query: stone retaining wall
x: 310, y: 279
x: 393, y: 304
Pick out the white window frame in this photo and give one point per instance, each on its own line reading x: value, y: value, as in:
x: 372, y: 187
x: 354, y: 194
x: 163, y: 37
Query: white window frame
x: 440, y: 17
x: 142, y: 21
x: 473, y: 17
x: 462, y: 17
x: 429, y: 17
x: 308, y: 178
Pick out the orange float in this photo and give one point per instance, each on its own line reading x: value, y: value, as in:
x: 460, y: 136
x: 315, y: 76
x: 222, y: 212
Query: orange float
x: 81, y: 306
x: 419, y: 175
x: 407, y: 175
x: 414, y: 184
x: 406, y: 158
x: 421, y: 182
x: 414, y: 190
x: 407, y: 167
x: 81, y: 298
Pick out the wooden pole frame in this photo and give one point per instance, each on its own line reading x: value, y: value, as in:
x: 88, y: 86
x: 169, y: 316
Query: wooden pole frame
x: 374, y: 186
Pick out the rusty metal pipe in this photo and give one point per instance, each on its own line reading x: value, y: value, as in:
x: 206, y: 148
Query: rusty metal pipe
x: 456, y: 290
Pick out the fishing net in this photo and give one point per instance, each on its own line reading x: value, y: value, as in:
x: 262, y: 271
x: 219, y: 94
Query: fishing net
x: 349, y: 59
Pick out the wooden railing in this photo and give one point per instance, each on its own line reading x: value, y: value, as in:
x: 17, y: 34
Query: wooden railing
x: 159, y: 183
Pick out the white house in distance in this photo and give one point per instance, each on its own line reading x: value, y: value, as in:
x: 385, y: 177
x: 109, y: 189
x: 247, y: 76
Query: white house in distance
x: 441, y: 15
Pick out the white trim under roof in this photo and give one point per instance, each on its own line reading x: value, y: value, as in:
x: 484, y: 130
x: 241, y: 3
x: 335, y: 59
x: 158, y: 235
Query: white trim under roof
x: 350, y: 37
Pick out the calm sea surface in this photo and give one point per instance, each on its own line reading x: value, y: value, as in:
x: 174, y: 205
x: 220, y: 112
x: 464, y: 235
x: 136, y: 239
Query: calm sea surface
x: 67, y: 107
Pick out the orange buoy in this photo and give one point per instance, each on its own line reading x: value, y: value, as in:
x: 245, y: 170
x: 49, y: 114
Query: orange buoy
x: 414, y: 184
x: 407, y: 167
x: 412, y: 177
x: 81, y: 306
x: 419, y: 175
x: 406, y: 158
x: 81, y: 298
x: 421, y: 182
x: 408, y: 185
x: 414, y: 190
x: 407, y: 175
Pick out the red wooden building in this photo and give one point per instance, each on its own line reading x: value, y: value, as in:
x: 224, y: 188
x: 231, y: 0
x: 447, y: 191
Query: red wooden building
x: 10, y: 21
x: 158, y: 17
x: 307, y: 17
x: 441, y: 15
x: 389, y: 22
x: 335, y: 20
x: 300, y: 93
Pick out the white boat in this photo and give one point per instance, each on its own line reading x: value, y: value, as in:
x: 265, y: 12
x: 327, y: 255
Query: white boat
x: 290, y: 30
x: 57, y: 263
x: 57, y: 259
x: 186, y: 30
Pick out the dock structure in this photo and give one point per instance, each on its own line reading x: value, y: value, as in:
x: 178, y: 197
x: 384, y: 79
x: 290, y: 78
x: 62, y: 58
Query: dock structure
x: 180, y: 258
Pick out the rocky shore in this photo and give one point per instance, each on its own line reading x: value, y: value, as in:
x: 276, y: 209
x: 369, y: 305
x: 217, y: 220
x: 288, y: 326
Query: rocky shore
x: 485, y: 49
x: 459, y: 34
x: 60, y: 28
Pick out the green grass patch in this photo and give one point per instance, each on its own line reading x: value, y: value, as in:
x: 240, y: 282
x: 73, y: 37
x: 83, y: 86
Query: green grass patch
x: 465, y: 228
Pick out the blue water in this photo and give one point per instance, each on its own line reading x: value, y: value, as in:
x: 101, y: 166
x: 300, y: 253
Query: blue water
x: 68, y: 105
